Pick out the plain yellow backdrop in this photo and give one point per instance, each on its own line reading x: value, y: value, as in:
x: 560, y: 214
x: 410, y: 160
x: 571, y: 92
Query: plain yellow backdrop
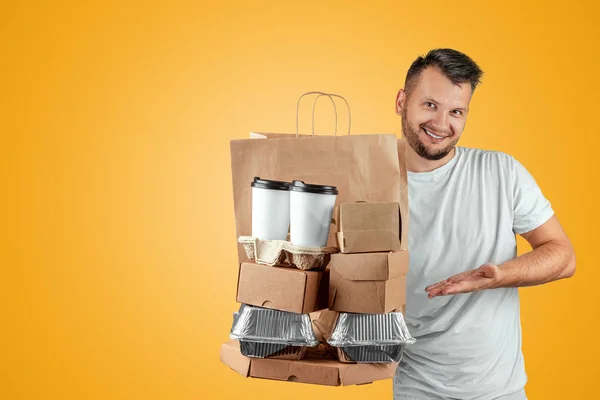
x: 118, y: 247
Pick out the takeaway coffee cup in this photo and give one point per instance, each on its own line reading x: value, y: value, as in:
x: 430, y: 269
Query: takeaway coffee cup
x: 270, y: 209
x: 311, y: 209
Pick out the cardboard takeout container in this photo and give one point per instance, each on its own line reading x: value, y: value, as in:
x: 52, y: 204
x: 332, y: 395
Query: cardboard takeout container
x: 365, y: 227
x: 316, y: 370
x: 282, y: 288
x: 369, y: 283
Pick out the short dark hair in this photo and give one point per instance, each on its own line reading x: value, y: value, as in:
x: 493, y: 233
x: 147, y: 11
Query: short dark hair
x: 456, y: 66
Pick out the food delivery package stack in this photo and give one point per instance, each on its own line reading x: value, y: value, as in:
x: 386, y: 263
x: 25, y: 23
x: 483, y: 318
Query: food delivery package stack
x: 290, y: 195
x: 367, y: 290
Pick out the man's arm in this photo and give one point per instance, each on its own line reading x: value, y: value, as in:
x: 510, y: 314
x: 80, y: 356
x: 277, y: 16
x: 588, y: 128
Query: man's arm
x: 552, y: 258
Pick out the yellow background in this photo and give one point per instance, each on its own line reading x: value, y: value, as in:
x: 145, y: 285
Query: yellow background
x: 118, y: 251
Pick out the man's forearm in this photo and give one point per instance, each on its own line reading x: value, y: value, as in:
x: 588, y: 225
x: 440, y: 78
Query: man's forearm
x: 548, y: 262
x: 552, y: 258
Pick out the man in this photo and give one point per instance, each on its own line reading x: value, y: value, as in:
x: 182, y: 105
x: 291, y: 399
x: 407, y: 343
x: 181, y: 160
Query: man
x: 466, y: 205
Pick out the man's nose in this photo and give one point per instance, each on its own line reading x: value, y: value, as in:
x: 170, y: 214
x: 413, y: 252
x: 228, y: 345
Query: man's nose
x: 442, y: 122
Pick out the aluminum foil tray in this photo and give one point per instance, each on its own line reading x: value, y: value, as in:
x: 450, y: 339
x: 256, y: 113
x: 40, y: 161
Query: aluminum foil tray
x: 271, y: 350
x: 265, y: 325
x: 371, y: 354
x: 353, y: 330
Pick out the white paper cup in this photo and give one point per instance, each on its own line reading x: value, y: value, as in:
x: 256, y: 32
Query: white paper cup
x: 311, y: 209
x: 270, y: 209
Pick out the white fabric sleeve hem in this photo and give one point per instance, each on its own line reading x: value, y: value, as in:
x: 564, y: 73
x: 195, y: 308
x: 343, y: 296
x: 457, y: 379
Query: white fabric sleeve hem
x: 537, y: 222
x: 530, y: 207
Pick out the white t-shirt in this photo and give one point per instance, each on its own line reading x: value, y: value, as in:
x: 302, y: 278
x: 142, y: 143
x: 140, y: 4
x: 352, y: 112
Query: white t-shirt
x: 462, y: 215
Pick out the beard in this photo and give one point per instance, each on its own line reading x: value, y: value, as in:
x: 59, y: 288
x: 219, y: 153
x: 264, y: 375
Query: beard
x: 412, y: 137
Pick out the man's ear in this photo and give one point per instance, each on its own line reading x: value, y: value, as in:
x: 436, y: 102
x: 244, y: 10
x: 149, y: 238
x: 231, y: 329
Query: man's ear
x: 400, y: 101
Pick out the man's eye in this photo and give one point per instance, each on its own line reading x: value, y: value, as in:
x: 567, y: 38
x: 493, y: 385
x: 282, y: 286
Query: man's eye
x: 458, y: 111
x: 428, y: 103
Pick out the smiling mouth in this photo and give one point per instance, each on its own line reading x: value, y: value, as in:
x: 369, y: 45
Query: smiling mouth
x: 433, y: 135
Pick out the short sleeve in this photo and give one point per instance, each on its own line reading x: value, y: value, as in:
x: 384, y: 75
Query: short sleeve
x: 531, y: 209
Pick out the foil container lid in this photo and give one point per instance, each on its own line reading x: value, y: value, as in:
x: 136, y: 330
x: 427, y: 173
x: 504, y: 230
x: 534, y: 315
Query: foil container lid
x: 370, y: 329
x: 265, y: 325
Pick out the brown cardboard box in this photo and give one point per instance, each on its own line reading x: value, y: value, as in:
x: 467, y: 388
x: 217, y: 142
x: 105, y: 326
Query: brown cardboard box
x: 282, y: 288
x: 369, y: 283
x: 318, y: 371
x: 368, y: 227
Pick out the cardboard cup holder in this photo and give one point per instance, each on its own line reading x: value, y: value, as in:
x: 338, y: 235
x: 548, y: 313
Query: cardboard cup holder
x: 285, y: 254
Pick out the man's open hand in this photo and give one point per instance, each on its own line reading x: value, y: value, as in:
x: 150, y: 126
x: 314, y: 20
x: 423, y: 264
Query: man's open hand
x: 481, y: 278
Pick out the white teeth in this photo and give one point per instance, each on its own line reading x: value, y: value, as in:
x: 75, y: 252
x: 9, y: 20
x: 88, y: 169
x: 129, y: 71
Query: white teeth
x: 432, y: 135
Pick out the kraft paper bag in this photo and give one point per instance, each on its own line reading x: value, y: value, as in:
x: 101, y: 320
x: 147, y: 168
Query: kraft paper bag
x: 363, y: 167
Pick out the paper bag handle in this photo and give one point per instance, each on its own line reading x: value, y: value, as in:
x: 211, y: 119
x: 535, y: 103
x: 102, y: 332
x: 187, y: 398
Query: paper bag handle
x: 313, y: 121
x: 330, y: 95
x: 334, y: 110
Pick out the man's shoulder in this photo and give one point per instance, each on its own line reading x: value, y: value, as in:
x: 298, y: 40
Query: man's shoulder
x: 487, y: 157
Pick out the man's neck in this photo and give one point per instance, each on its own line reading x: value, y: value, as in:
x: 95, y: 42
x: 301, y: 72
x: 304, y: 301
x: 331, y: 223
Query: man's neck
x: 416, y: 163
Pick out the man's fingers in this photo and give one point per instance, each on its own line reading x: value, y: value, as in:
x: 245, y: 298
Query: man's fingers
x: 465, y: 282
x: 451, y: 288
x: 459, y: 287
x: 461, y: 283
x: 435, y: 285
x: 452, y: 279
x: 437, y: 291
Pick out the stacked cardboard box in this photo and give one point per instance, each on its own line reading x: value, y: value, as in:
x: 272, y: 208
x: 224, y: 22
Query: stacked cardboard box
x: 371, y: 281
x: 298, y: 293
x: 368, y: 278
x: 369, y: 275
x: 282, y: 288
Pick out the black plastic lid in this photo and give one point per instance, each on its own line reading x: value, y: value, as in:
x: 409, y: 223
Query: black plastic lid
x: 299, y: 186
x: 267, y: 184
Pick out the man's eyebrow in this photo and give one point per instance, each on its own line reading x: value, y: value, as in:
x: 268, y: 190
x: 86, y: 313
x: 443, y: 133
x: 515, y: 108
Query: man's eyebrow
x: 431, y: 99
